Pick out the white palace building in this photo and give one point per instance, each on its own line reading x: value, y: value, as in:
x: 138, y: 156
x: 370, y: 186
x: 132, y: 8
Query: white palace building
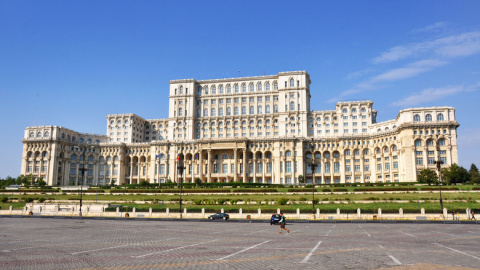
x: 251, y: 129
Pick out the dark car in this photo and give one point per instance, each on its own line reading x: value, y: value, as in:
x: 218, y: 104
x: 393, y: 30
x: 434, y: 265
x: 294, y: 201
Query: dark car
x: 219, y: 216
x: 275, y: 219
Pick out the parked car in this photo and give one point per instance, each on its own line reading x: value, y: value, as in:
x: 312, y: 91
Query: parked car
x: 219, y: 216
x: 275, y: 219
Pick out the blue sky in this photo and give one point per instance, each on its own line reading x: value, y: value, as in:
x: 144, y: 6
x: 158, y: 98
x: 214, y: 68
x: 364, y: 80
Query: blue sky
x: 71, y: 63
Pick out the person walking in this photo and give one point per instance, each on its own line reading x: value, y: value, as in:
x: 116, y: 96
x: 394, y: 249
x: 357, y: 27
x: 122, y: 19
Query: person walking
x: 282, y: 223
x: 473, y: 216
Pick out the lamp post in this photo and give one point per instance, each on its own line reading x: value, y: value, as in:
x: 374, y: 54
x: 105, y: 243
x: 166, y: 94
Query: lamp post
x: 439, y: 167
x: 180, y: 168
x: 313, y: 166
x: 82, y: 174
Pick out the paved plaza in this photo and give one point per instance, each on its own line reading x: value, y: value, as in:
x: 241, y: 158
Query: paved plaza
x: 66, y: 243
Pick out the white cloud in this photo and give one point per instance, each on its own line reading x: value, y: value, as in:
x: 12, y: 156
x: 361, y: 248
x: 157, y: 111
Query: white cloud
x: 434, y: 27
x: 451, y: 46
x: 358, y: 74
x: 408, y: 71
x: 429, y: 95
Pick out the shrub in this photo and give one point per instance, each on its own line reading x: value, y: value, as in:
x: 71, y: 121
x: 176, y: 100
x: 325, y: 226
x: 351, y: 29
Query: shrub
x: 198, y: 201
x: 28, y: 200
x: 4, y: 199
x: 302, y: 199
x: 282, y: 201
x: 221, y: 201
x: 41, y: 200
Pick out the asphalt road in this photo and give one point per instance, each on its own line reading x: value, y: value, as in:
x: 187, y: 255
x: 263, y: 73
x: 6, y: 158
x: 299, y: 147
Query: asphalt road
x: 55, y: 243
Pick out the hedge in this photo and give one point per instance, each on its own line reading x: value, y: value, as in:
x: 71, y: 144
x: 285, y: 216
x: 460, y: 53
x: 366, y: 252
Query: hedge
x: 385, y: 189
x: 211, y: 190
x: 260, y: 190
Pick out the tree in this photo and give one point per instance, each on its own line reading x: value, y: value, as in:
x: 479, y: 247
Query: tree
x: 144, y: 183
x: 474, y: 174
x: 198, y: 181
x: 455, y: 174
x: 301, y: 179
x: 427, y: 176
x: 41, y: 182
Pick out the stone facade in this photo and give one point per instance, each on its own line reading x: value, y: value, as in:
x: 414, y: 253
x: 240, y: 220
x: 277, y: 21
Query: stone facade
x: 251, y: 129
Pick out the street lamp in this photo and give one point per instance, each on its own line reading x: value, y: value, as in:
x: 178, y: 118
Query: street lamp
x: 439, y: 167
x: 313, y: 166
x: 180, y: 168
x: 82, y: 173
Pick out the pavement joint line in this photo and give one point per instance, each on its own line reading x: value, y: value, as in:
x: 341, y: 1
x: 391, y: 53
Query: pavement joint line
x: 311, y: 252
x: 328, y: 233
x: 163, y: 251
x: 461, y: 252
x: 395, y: 260
x: 445, y: 233
x: 367, y: 233
x: 243, y: 250
x: 408, y: 234
x: 117, y: 246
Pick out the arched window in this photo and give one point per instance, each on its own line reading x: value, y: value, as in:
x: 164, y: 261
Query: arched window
x: 394, y: 148
x: 229, y: 88
x: 205, y: 112
x: 385, y: 150
x: 440, y: 117
x: 252, y: 110
x: 347, y: 152
x: 356, y: 152
x: 428, y: 118
x: 275, y: 108
x: 235, y: 111
x: 180, y: 112
x: 181, y: 90
x: 441, y: 142
x: 267, y: 109
x: 292, y: 106
x: 220, y: 112
x: 73, y: 157
x: 326, y: 155
x: 39, y: 134
x: 199, y: 112
x: 229, y: 111
x: 214, y: 90
x: 430, y: 143
x: 244, y: 110
x: 259, y: 110
x: 236, y: 88
x: 354, y: 110
x: 32, y: 134
x: 288, y: 154
x: 366, y: 152
x: 267, y: 86
x: 259, y: 87
x: 46, y: 134
x: 275, y: 86
x: 214, y: 112
x: 336, y: 154
x: 318, y: 155
x: 308, y: 155
x: 292, y: 83
x: 206, y: 90
x: 221, y: 89
x: 416, y: 118
x: 363, y: 110
x: 378, y: 151
x: 418, y: 142
x: 89, y: 141
x: 225, y: 156
x: 344, y: 111
x: 244, y: 88
x: 252, y: 87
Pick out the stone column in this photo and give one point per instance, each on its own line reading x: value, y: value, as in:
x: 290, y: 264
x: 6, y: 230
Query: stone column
x: 235, y: 171
x: 244, y: 165
x: 359, y: 212
x: 209, y: 166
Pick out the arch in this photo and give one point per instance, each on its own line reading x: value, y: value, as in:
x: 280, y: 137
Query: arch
x: 292, y: 106
x: 267, y: 86
x: 394, y: 148
x: 347, y: 152
x: 441, y: 142
x: 366, y: 151
x: 416, y: 118
x: 259, y: 87
x: 267, y: 109
x: 32, y: 134
x: 440, y: 117
x: 430, y: 142
x: 326, y: 154
x: 308, y: 155
x: 288, y: 153
x: 292, y: 82
x: 46, y: 134
x: 418, y: 142
x: 378, y: 151
x: 39, y: 134
x: 336, y: 154
x: 236, y: 111
x: 428, y: 118
x: 317, y: 154
x: 356, y: 152
x: 252, y: 87
x: 385, y: 150
x: 258, y: 155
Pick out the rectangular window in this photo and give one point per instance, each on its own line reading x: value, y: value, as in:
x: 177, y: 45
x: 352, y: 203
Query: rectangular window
x: 281, y: 166
x: 327, y: 167
x: 348, y: 168
x: 260, y: 168
x: 357, y: 168
x: 269, y: 167
x: 250, y: 167
x: 387, y: 166
x: 419, y: 161
x: 224, y: 168
x: 395, y: 164
x: 336, y: 167
x: 288, y: 166
x: 379, y: 167
x: 366, y: 167
x: 232, y: 168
